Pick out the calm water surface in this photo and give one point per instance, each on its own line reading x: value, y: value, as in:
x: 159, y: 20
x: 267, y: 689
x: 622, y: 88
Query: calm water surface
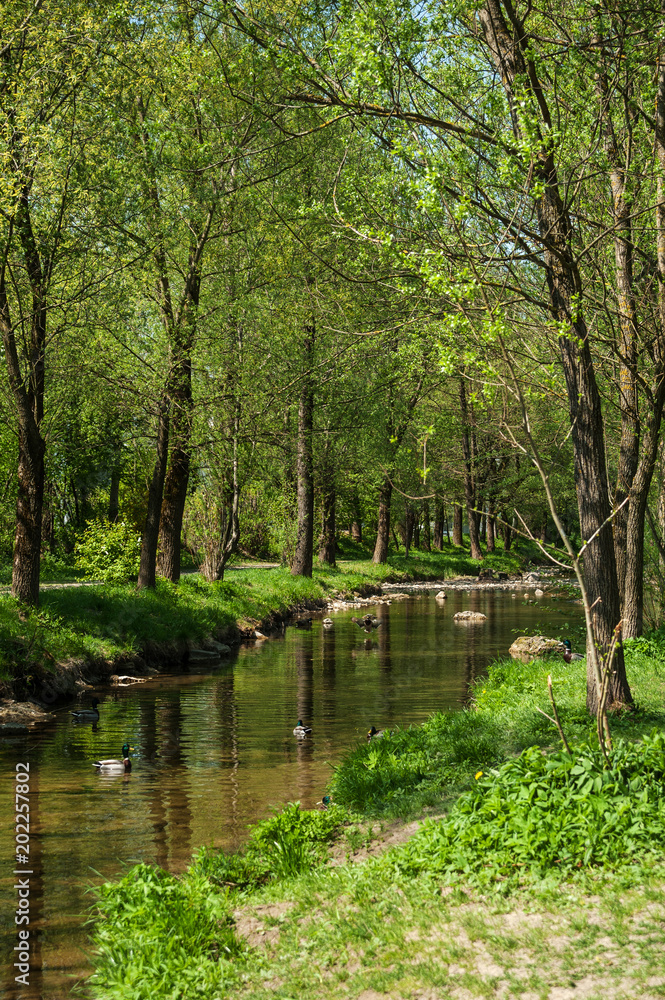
x: 214, y: 752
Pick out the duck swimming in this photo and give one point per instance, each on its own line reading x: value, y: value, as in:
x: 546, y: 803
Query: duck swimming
x: 87, y: 714
x: 301, y: 730
x: 116, y: 766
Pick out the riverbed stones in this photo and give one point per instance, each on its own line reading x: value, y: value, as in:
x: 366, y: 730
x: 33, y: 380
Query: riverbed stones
x: 533, y: 647
x: 470, y: 616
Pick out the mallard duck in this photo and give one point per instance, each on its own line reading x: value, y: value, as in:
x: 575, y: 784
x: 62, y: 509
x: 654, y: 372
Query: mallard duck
x: 116, y: 766
x: 568, y: 654
x: 87, y: 714
x: 367, y: 622
x: 301, y: 730
x: 323, y: 804
x: 303, y: 623
x: 327, y: 623
x: 375, y: 734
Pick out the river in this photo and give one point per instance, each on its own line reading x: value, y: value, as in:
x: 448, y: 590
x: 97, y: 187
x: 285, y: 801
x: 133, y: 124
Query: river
x: 214, y: 751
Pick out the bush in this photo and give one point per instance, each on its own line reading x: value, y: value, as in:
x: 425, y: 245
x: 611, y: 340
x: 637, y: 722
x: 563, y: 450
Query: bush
x: 109, y: 552
x: 550, y: 812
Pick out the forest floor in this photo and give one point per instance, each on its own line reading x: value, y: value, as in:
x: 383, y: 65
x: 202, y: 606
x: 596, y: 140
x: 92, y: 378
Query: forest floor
x: 381, y: 914
x: 85, y: 632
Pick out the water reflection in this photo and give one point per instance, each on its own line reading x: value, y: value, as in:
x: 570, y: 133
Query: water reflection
x: 215, y: 752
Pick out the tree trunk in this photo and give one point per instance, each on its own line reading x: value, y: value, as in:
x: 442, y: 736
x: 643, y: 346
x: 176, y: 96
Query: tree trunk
x: 439, y: 513
x: 304, y: 553
x: 147, y: 566
x: 660, y: 514
x: 396, y: 431
x: 27, y: 543
x: 633, y: 593
x: 408, y: 528
x: 490, y: 531
x: 506, y: 532
x: 629, y: 444
x: 383, y: 530
x: 469, y: 451
x: 177, y: 477
x: 328, y: 503
x: 584, y: 404
x: 231, y: 535
x: 427, y: 543
x: 28, y: 395
x: 633, y: 604
x: 356, y: 532
x: 457, y: 524
x: 167, y: 494
x: 474, y: 534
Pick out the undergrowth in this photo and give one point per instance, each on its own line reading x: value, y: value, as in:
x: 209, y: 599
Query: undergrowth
x: 158, y: 935
x: 543, y: 812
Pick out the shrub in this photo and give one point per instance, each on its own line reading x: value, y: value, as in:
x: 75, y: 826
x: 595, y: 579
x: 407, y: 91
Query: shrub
x: 109, y: 552
x: 544, y: 812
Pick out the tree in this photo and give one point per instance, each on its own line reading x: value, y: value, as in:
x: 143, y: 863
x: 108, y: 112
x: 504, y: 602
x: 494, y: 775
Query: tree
x: 476, y: 124
x: 46, y: 56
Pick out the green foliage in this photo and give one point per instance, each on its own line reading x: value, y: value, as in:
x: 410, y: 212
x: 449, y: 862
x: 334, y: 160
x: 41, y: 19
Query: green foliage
x: 162, y: 933
x: 35, y: 641
x: 269, y: 523
x: 109, y: 552
x: 550, y: 811
x: 288, y: 844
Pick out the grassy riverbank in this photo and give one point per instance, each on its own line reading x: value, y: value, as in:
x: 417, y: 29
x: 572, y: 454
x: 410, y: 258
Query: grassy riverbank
x: 545, y: 874
x: 107, y: 622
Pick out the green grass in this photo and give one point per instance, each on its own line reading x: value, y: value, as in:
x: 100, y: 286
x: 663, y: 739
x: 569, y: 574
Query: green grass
x: 543, y: 867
